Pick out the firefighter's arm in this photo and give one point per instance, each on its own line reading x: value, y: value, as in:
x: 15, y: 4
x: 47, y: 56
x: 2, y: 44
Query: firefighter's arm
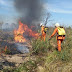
x: 42, y: 30
x: 53, y: 33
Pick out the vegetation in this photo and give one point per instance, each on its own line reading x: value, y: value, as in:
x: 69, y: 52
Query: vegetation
x: 28, y: 66
x: 48, y: 59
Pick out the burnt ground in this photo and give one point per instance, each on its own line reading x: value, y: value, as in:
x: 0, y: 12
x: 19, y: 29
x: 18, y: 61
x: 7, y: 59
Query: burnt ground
x: 13, y: 57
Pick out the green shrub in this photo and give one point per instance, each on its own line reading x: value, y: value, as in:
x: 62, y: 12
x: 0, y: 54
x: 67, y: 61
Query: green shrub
x: 7, y: 51
x: 39, y: 46
x: 63, y: 56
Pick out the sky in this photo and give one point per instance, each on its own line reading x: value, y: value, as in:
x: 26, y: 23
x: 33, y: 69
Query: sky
x: 8, y: 13
x: 60, y: 10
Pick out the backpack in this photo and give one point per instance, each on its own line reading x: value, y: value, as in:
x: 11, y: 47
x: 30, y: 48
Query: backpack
x: 61, y: 31
x: 45, y: 29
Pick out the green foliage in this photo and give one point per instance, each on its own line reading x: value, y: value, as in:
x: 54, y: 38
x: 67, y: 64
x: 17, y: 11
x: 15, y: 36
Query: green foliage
x: 28, y: 66
x: 48, y: 57
x: 60, y: 61
x: 39, y: 46
x: 7, y: 51
x: 63, y: 56
x: 51, y: 57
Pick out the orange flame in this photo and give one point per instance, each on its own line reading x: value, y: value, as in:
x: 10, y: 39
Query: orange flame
x: 5, y: 48
x: 24, y: 30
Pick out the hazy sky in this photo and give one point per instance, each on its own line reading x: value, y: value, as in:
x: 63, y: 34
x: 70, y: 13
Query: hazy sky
x: 61, y: 11
x: 7, y: 11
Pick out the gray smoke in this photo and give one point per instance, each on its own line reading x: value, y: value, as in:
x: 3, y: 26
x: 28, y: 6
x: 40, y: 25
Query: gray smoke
x: 22, y: 48
x: 30, y: 10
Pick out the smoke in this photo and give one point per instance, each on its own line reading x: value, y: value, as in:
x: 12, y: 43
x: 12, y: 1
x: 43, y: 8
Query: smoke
x: 30, y: 10
x: 21, y: 48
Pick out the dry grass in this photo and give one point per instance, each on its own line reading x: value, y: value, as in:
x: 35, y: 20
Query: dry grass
x: 47, y: 57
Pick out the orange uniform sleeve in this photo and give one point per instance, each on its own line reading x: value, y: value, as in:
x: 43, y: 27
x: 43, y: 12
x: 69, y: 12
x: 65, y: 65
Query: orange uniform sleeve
x: 42, y: 29
x: 54, y: 32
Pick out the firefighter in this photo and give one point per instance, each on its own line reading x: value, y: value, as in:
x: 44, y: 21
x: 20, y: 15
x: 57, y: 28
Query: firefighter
x: 43, y: 33
x: 60, y: 35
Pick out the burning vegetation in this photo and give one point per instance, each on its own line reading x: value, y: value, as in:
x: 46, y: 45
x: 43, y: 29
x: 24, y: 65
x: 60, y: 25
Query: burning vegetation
x: 43, y: 56
x: 24, y: 32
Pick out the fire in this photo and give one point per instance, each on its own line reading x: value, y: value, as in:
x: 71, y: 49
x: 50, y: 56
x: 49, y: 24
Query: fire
x: 5, y: 48
x: 3, y: 51
x: 22, y: 31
